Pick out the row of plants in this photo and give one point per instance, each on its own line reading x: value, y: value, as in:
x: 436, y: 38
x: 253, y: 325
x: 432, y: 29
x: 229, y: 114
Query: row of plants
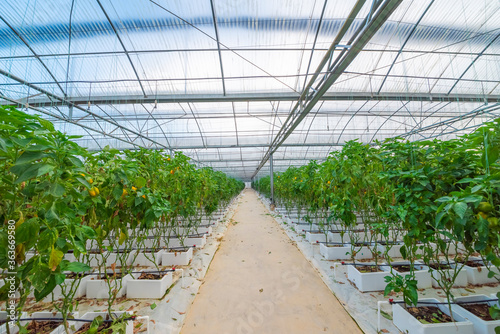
x: 430, y: 197
x: 62, y: 199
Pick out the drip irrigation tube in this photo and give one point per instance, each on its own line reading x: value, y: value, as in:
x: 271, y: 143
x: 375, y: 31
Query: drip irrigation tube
x: 446, y: 303
x: 365, y: 264
x: 133, y: 318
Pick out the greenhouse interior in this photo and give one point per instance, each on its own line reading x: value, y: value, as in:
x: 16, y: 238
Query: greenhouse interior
x: 231, y: 166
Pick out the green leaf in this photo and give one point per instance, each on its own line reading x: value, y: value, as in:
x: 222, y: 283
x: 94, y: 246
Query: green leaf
x: 117, y: 192
x: 56, y: 190
x: 77, y: 162
x: 48, y: 288
x: 460, y: 209
x: 444, y: 199
x: 84, y: 182
x: 476, y: 188
x: 386, y: 315
x: 46, y: 240
x: 51, y: 214
x: 46, y: 124
x: 34, y: 171
x: 388, y: 289
x: 55, y: 258
x: 37, y: 147
x: 77, y: 267
x: 140, y: 182
x: 3, y: 145
x: 27, y: 231
x: 21, y: 142
x: 88, y: 232
x: 60, y: 278
x: 153, y: 306
x: 28, y: 157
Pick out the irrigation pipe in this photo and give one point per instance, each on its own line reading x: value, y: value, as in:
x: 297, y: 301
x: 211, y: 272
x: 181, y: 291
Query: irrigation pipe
x: 380, y: 302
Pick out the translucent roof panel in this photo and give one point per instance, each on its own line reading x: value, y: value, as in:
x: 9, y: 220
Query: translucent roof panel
x: 218, y: 79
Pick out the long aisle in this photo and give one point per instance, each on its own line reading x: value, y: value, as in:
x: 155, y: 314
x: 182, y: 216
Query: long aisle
x: 259, y: 282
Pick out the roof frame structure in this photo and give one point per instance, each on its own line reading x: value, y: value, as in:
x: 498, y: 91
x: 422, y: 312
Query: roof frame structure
x: 123, y: 46
x: 370, y: 26
x: 263, y: 49
x: 35, y: 54
x: 423, y: 74
x: 214, y: 16
x: 404, y: 44
x: 245, y: 97
x: 69, y: 104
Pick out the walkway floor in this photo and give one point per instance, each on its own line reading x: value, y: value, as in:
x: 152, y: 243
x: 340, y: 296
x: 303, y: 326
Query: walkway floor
x: 259, y: 282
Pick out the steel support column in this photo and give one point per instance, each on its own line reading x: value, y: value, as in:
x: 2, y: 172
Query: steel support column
x: 271, y: 173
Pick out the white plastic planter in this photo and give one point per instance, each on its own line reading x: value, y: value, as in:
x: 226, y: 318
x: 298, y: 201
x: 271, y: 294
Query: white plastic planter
x: 479, y: 275
x: 117, y: 258
x: 204, y: 230
x: 98, y: 288
x: 12, y: 326
x: 423, y: 277
x: 80, y: 291
x: 480, y: 326
x: 198, y: 242
x: 460, y: 280
x: 452, y: 250
x: 394, y: 251
x: 17, y: 294
x: 177, y: 258
x: 142, y: 259
x: 152, y: 243
x: 407, y: 323
x: 367, y: 281
x: 335, y: 253
x: 336, y: 237
x: 129, y: 329
x: 365, y: 252
x: 92, y: 260
x: 59, y: 329
x: 140, y: 288
x: 315, y: 238
x: 304, y: 227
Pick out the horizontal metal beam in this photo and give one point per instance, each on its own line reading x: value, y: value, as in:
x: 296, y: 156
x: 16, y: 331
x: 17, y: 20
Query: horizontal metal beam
x: 323, y: 113
x: 249, y: 49
x: 258, y: 159
x: 201, y: 147
x: 245, y: 97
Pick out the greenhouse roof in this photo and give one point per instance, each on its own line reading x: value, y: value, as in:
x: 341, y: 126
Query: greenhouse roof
x: 228, y: 82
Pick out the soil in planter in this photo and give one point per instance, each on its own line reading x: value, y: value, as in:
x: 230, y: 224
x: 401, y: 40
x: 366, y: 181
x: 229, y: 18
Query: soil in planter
x: 110, y: 276
x: 75, y: 275
x: 480, y: 310
x: 475, y: 264
x: 101, y: 328
x: 151, y: 276
x: 439, y: 266
x: 369, y: 269
x: 42, y: 327
x: 330, y: 245
x: 401, y: 268
x: 429, y: 314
